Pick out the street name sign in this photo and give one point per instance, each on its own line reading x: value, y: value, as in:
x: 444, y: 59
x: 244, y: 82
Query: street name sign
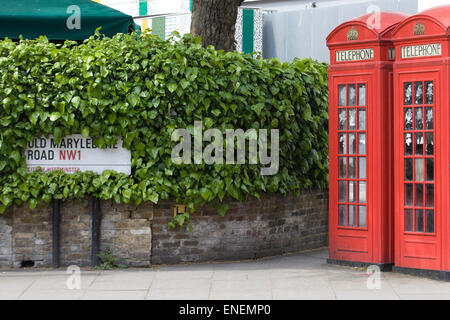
x: 76, y: 153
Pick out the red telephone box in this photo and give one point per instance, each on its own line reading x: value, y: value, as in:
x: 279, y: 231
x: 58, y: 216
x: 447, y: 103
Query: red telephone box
x: 421, y: 143
x: 360, y: 143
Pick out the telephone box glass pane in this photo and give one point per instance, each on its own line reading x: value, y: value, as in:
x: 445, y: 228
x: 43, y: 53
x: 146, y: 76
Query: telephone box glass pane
x: 418, y: 93
x: 419, y: 143
x: 342, y: 143
x: 409, y: 218
x: 352, y: 191
x: 429, y: 119
x: 419, y: 195
x: 352, y: 95
x: 342, y: 95
x: 408, y: 119
x: 362, y: 143
x: 362, y: 216
x: 362, y: 192
x: 408, y: 169
x: 342, y: 119
x: 419, y: 220
x: 351, y: 119
x: 342, y: 167
x: 430, y: 221
x: 352, y: 168
x: 362, y: 119
x: 430, y: 169
x: 408, y: 144
x: 351, y: 143
x: 419, y: 169
x: 352, y: 216
x: 430, y: 195
x: 362, y: 168
x: 419, y: 118
x: 342, y: 191
x: 342, y: 215
x: 429, y: 143
x: 429, y: 92
x: 362, y: 95
x: 408, y: 194
x: 407, y: 93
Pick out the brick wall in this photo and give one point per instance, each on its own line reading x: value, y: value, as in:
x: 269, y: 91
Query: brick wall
x: 5, y: 240
x: 29, y: 236
x: 26, y: 235
x: 270, y: 226
x: 141, y: 237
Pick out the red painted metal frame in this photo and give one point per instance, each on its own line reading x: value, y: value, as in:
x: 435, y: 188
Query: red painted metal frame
x: 374, y: 243
x: 422, y: 250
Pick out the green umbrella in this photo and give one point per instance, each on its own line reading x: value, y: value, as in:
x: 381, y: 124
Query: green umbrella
x: 60, y: 19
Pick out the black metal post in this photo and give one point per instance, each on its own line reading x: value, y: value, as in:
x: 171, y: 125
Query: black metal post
x: 95, y: 231
x: 56, y: 221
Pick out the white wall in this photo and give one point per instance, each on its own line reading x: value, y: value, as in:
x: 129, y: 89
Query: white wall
x: 130, y: 7
x: 427, y: 4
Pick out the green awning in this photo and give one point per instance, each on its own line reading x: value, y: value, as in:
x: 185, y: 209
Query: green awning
x: 57, y: 19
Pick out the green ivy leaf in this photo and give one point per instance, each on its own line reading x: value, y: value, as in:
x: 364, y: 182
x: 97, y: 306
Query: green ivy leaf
x: 172, y: 87
x: 34, y: 117
x: 307, y: 113
x: 184, y: 84
x: 222, y: 209
x: 205, y: 193
x: 153, y: 197
x: 55, y: 116
x: 180, y: 219
x: 3, y: 164
x: 33, y: 203
x: 85, y: 132
x: 133, y: 99
x: 257, y: 108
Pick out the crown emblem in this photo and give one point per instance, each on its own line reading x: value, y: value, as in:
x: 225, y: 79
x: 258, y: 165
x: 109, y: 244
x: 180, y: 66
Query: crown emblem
x: 352, y: 34
x: 419, y: 29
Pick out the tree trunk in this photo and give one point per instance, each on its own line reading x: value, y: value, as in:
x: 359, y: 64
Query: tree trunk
x: 215, y: 22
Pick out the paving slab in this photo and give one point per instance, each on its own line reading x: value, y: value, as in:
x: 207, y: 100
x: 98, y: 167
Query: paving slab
x: 62, y: 294
x: 115, y: 295
x: 241, y: 295
x: 178, y: 294
x: 177, y: 274
x: 181, y: 284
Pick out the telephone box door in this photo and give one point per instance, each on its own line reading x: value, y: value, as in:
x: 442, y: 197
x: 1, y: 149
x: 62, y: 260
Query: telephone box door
x: 349, y: 172
x: 416, y: 218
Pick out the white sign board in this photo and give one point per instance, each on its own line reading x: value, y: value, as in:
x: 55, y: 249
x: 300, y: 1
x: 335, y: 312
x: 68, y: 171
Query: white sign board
x: 355, y: 55
x: 423, y: 50
x: 76, y: 153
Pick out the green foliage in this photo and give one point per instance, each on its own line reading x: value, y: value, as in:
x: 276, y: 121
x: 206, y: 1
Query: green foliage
x: 142, y: 88
x: 108, y: 262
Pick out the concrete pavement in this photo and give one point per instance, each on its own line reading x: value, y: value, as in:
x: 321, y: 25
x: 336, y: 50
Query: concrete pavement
x: 298, y: 276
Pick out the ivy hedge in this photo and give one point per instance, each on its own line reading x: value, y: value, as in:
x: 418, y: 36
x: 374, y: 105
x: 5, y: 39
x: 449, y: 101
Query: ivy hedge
x: 142, y: 88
